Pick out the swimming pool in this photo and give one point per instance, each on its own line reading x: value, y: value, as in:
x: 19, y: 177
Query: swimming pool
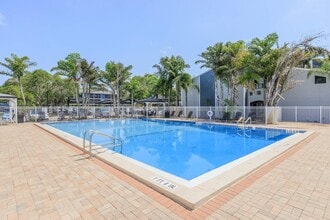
x: 184, y: 149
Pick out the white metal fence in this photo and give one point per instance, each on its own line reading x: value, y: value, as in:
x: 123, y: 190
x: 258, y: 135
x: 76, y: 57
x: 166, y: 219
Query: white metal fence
x: 260, y: 115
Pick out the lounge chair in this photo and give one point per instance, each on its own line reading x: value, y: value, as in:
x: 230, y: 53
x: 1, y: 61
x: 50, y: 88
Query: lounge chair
x: 180, y: 114
x: 6, y: 119
x: 60, y: 116
x: 190, y: 114
x: 13, y: 118
x: 251, y: 118
x: 1, y: 120
x: 237, y: 117
x: 225, y: 116
x: 172, y: 114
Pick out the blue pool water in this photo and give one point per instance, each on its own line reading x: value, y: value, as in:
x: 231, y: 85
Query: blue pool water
x: 185, y: 149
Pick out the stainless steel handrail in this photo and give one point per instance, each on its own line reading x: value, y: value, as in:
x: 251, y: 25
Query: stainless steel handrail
x: 113, y: 140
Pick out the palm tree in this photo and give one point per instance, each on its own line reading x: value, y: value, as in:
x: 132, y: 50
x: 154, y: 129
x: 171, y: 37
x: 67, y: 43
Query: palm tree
x: 265, y: 56
x: 177, y: 66
x: 230, y: 70
x: 214, y: 58
x: 164, y: 84
x: 89, y: 75
x: 17, y: 67
x: 221, y: 59
x: 70, y: 68
x: 186, y: 82
x: 170, y: 70
x: 115, y: 76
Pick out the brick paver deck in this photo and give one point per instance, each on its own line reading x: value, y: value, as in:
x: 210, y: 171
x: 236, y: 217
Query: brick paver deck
x: 43, y: 177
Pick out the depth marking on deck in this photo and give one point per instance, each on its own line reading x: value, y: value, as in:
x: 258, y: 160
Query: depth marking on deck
x: 163, y: 182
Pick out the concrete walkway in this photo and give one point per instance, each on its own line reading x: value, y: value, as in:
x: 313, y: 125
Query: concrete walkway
x: 41, y: 177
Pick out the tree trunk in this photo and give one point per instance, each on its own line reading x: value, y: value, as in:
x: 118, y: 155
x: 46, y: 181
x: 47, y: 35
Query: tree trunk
x: 89, y: 94
x: 177, y: 95
x: 22, y: 92
x: 77, y: 94
x: 169, y: 96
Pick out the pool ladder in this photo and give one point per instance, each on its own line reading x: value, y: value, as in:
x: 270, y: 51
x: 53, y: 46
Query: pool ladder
x: 115, y: 142
x: 242, y: 130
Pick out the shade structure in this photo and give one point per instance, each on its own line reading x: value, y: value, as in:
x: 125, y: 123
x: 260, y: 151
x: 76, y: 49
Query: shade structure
x: 146, y: 102
x: 110, y: 102
x: 152, y: 99
x: 12, y: 105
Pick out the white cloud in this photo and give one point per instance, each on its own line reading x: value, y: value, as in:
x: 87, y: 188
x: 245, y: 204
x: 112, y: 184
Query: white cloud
x: 2, y: 19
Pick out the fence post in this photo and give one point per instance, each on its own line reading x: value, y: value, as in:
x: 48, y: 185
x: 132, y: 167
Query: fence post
x: 266, y: 115
x: 197, y: 115
x: 35, y: 113
x: 320, y: 114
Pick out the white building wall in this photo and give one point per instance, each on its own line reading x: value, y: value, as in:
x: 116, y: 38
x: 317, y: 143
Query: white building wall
x: 240, y: 89
x: 255, y: 95
x: 193, y: 95
x: 240, y: 100
x: 220, y: 93
x: 307, y: 93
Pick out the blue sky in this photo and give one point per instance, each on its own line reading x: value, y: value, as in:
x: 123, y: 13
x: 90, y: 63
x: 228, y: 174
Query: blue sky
x: 140, y: 32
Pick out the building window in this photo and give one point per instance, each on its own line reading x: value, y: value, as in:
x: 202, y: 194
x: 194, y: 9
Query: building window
x: 258, y: 92
x: 320, y: 79
x: 251, y: 94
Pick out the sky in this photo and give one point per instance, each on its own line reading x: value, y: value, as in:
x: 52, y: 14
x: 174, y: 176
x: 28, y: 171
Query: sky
x: 140, y: 32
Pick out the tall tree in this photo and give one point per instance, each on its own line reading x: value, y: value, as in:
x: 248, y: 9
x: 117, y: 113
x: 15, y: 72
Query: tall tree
x: 17, y: 68
x: 262, y: 60
x: 38, y: 83
x: 115, y: 76
x: 89, y: 75
x: 164, y: 82
x: 186, y: 82
x: 70, y: 68
x: 221, y: 59
x: 291, y: 56
x: 245, y: 62
x: 170, y: 71
x: 213, y: 58
x: 141, y: 87
x: 61, y: 89
x: 230, y: 70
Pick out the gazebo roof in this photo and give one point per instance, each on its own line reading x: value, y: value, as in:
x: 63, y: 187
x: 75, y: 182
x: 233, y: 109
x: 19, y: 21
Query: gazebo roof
x: 152, y: 99
x: 7, y: 96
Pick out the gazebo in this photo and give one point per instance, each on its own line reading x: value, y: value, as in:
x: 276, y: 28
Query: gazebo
x: 12, y: 100
x: 152, y: 100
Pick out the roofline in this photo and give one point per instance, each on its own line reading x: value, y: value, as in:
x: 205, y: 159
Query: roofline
x: 7, y: 96
x: 203, y: 73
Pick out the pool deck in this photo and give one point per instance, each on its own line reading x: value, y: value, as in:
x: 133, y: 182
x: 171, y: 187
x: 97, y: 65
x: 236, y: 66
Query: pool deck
x: 43, y: 177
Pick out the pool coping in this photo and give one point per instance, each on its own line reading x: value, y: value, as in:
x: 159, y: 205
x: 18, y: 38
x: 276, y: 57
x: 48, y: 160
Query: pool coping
x: 190, y: 194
